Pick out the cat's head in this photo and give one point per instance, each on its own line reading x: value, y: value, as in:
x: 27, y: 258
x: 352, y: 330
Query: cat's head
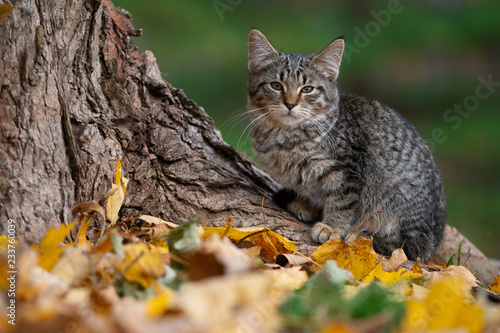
x: 287, y: 89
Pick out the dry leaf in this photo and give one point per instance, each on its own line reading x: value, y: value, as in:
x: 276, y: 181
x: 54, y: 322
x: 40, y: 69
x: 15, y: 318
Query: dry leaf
x: 271, y: 244
x: 390, y: 277
x: 466, y: 279
x: 495, y: 286
x: 50, y: 247
x: 74, y: 266
x: 398, y: 258
x: 142, y: 263
x: 80, y: 236
x: 358, y: 256
x: 444, y: 308
x: 159, y: 304
x: 89, y: 208
x: 5, y: 9
x: 218, y: 256
x: 239, y: 299
x: 152, y: 227
x: 116, y: 199
x: 152, y: 220
x: 291, y: 260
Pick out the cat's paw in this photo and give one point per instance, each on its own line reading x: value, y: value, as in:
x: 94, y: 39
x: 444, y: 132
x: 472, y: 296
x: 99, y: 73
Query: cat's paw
x: 302, y: 211
x: 322, y: 232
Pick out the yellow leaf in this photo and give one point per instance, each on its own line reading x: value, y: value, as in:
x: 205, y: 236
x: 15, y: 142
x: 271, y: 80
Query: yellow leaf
x: 49, y: 249
x: 336, y: 328
x: 80, y: 236
x: 358, y: 256
x: 4, y: 243
x: 116, y: 199
x: 239, y: 298
x: 271, y: 243
x: 460, y: 273
x: 5, y: 9
x: 142, y: 263
x: 74, y: 266
x: 159, y: 304
x: 390, y: 277
x: 444, y: 308
x: 495, y: 286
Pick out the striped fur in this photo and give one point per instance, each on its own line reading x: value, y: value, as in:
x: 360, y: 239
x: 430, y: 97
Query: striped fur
x: 341, y: 157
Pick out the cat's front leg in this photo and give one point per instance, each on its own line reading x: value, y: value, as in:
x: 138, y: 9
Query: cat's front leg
x: 303, y: 210
x: 339, y: 215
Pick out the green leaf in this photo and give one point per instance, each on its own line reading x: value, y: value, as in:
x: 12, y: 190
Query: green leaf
x: 323, y: 300
x: 375, y: 300
x: 117, y: 242
x: 183, y: 240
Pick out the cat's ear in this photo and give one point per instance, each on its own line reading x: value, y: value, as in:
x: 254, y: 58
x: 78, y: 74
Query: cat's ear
x: 260, y: 51
x: 328, y: 60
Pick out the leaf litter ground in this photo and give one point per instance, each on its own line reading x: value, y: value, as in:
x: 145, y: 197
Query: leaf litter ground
x: 144, y: 274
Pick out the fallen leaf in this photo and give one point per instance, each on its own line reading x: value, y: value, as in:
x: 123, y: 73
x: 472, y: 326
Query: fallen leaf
x: 182, y: 242
x: 74, y: 265
x: 290, y: 260
x: 218, y: 256
x: 80, y: 236
x: 160, y: 303
x: 466, y: 280
x: 152, y: 227
x: 50, y: 248
x: 358, y: 256
x: 444, y: 308
x: 116, y: 199
x: 5, y: 9
x: 323, y: 299
x: 271, y: 243
x: 142, y: 264
x: 89, y: 208
x: 398, y: 258
x: 152, y: 220
x: 495, y: 285
x: 390, y: 277
x: 239, y: 299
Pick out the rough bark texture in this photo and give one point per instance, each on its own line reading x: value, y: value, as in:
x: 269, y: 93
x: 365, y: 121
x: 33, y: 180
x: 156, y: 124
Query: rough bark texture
x: 76, y: 95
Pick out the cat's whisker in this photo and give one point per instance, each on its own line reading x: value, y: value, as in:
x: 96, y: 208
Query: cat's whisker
x: 238, y: 116
x: 321, y: 128
x: 252, y: 123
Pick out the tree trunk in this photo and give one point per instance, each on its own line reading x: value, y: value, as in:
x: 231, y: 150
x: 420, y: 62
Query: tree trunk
x: 76, y: 95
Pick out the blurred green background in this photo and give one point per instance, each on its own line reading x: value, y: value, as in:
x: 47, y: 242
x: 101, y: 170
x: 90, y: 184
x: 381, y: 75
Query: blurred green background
x: 423, y: 58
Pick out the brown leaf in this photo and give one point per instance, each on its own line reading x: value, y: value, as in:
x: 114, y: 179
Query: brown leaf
x: 89, y: 208
x: 218, y: 256
x: 5, y: 9
x: 152, y: 227
x: 394, y: 263
x: 291, y: 260
x: 74, y: 266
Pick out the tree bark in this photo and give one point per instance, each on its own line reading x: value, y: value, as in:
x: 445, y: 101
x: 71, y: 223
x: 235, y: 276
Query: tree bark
x: 76, y: 95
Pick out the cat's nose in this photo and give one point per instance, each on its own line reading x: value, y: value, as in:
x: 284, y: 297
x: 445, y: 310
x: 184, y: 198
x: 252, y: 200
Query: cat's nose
x: 290, y: 105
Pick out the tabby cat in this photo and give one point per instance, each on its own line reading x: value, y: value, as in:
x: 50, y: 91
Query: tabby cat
x: 341, y: 158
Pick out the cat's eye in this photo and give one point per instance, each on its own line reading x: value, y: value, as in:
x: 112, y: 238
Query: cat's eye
x: 276, y: 86
x: 306, y: 89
